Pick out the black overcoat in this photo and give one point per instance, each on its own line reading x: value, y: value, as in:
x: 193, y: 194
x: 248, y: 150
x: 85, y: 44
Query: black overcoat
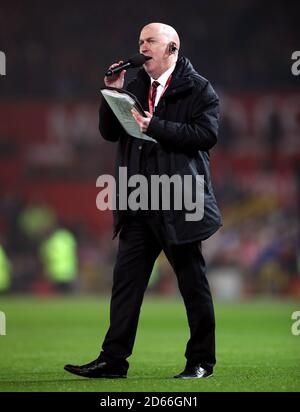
x: 185, y: 125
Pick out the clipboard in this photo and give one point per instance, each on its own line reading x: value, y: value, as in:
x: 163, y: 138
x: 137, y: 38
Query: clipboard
x: 121, y: 103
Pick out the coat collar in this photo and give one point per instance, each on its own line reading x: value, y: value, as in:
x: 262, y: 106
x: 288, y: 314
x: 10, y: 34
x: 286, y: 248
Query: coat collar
x: 181, y: 78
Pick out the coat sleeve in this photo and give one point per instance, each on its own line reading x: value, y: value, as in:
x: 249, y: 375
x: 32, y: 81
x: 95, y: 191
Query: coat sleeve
x: 109, y: 126
x: 200, y: 133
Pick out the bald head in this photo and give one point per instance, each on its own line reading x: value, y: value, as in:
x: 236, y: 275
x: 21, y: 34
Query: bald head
x: 157, y: 40
x: 164, y: 29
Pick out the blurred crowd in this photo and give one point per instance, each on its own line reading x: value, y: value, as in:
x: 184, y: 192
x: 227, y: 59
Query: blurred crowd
x: 255, y: 253
x: 61, y: 49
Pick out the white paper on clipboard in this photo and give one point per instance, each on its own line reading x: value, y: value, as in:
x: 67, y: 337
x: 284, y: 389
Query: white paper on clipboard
x: 121, y: 103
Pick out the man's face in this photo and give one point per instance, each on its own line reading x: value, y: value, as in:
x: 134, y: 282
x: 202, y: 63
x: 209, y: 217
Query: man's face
x: 153, y: 43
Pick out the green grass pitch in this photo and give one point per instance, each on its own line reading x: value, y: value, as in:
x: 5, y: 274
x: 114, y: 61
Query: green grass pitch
x: 256, y: 350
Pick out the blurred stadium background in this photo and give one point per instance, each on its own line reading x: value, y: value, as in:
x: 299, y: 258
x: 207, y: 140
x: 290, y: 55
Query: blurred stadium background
x: 52, y: 237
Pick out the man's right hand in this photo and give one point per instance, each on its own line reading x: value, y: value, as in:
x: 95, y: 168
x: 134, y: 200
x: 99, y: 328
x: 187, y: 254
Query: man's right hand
x: 117, y: 80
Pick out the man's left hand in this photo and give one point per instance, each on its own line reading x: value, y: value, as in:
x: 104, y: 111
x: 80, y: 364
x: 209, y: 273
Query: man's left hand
x: 143, y: 122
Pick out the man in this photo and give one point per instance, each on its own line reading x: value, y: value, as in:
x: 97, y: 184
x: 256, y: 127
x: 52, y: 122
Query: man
x: 182, y: 116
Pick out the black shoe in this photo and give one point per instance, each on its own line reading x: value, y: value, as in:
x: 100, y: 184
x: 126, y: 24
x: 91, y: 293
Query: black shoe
x: 195, y: 371
x: 97, y: 369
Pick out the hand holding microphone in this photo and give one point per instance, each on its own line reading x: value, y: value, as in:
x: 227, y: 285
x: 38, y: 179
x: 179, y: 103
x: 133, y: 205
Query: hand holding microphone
x: 116, y: 80
x: 114, y: 77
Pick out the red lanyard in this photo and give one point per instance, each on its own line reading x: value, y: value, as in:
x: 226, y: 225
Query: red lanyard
x: 151, y: 105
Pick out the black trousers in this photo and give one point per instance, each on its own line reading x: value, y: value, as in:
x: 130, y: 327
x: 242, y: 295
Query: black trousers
x: 140, y: 242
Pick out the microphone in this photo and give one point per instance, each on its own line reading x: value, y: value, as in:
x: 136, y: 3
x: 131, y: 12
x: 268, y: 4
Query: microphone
x: 135, y: 61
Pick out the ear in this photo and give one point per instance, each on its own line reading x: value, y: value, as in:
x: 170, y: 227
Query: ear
x: 172, y: 47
